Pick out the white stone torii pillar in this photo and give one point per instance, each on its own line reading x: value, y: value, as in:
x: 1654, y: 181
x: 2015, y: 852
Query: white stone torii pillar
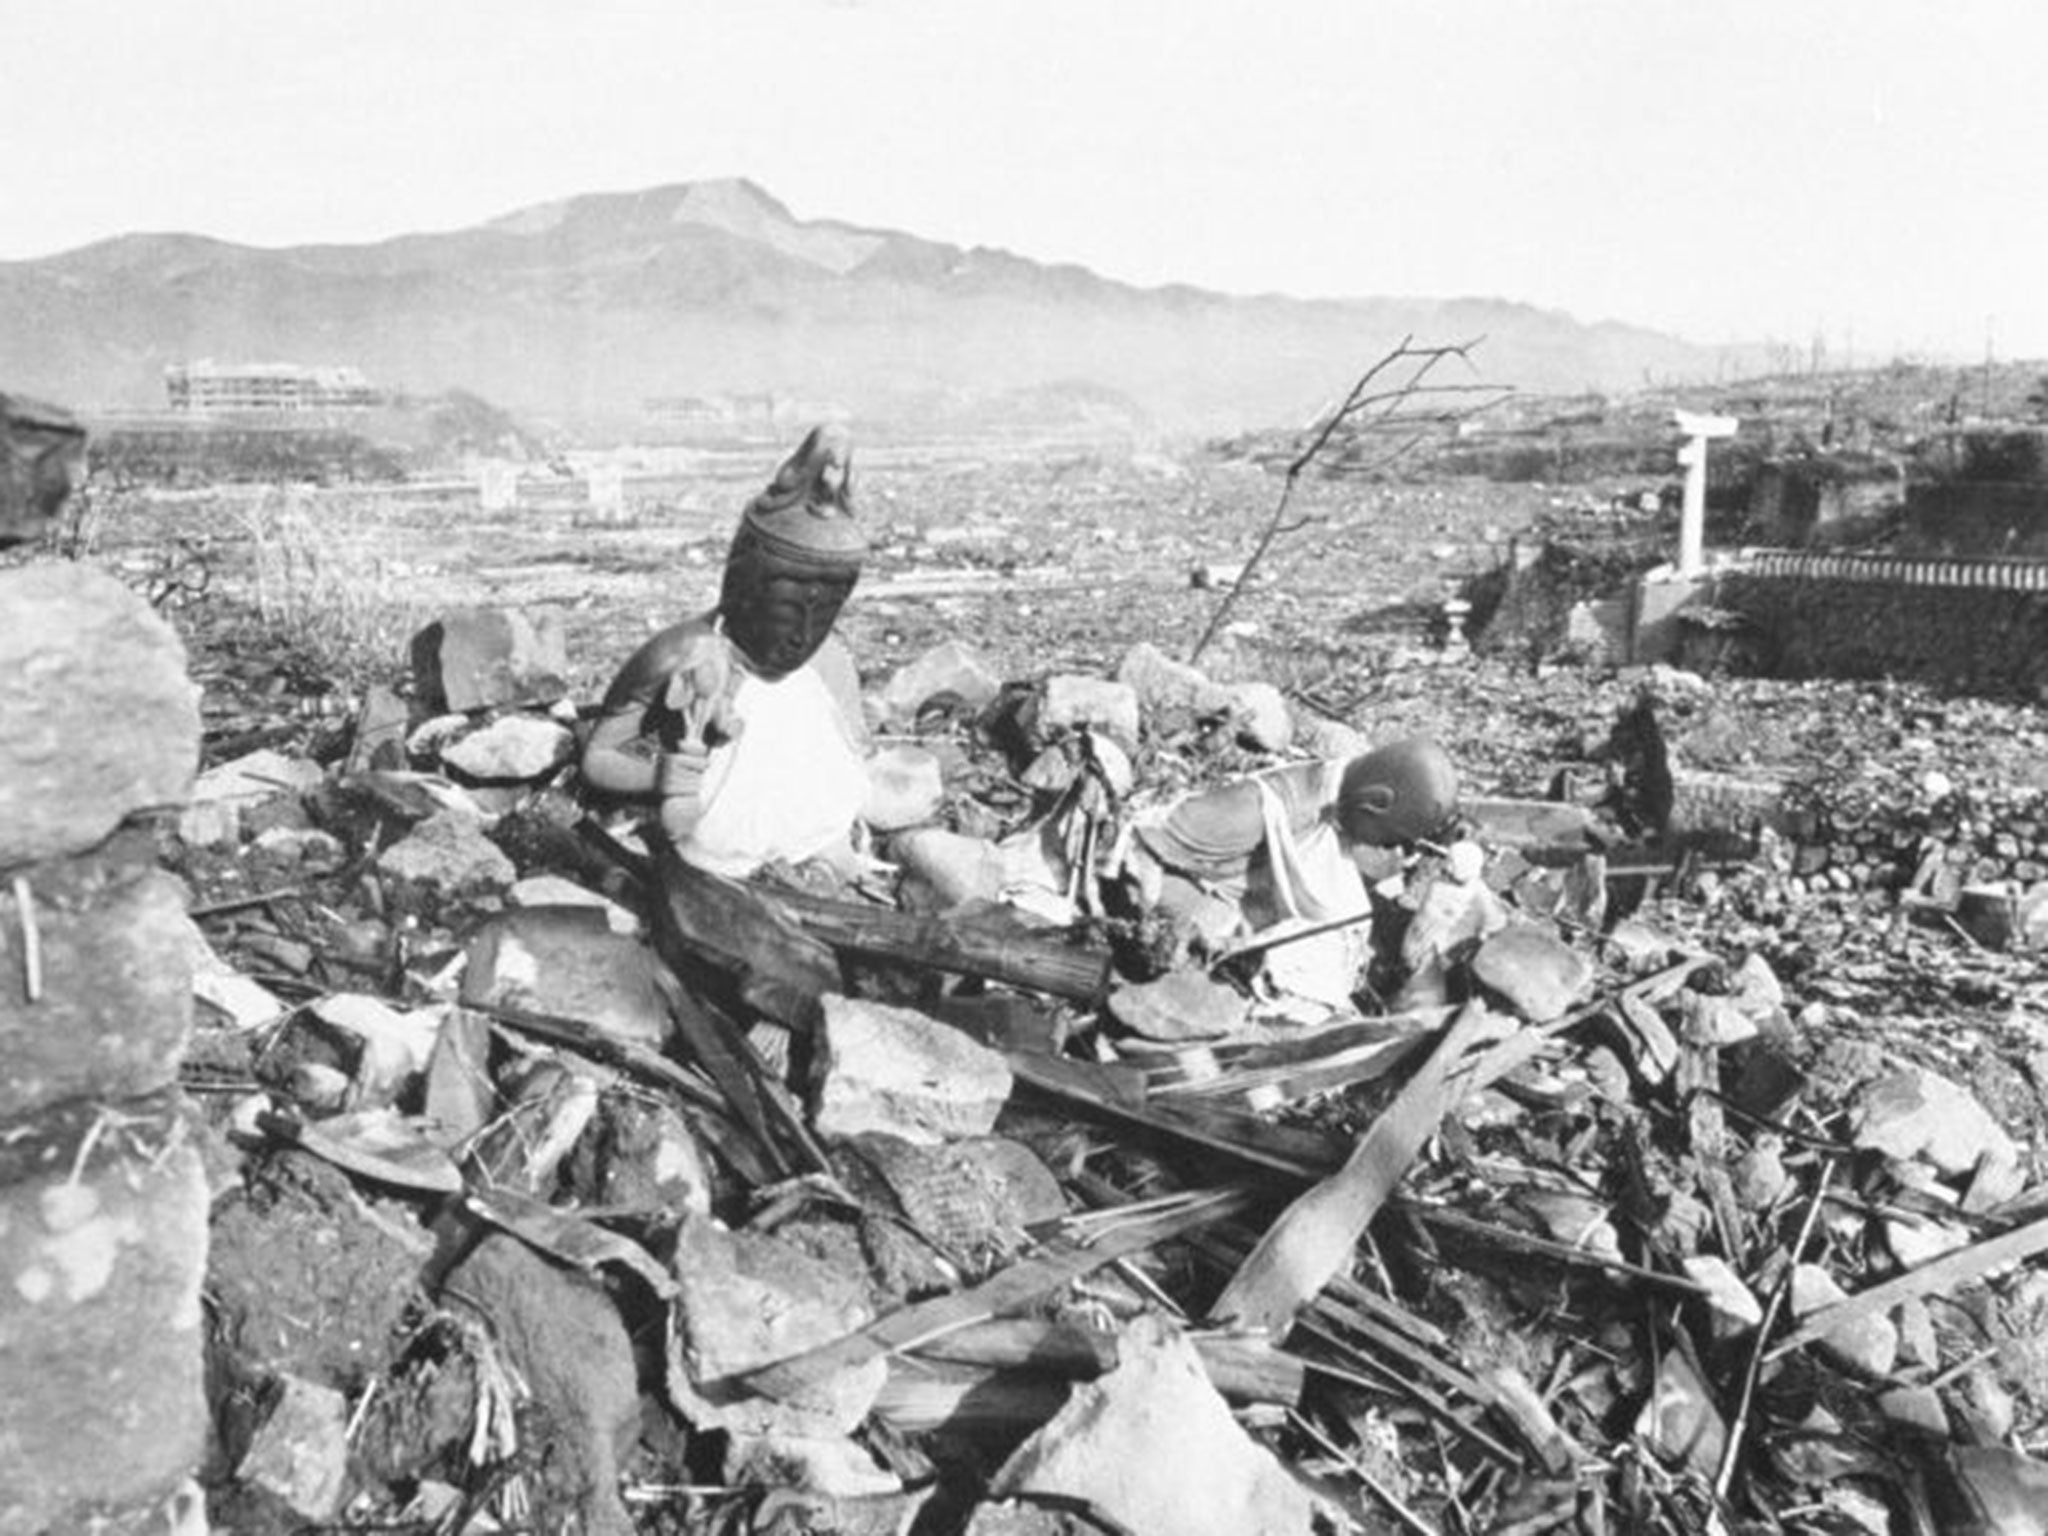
x: 1699, y: 430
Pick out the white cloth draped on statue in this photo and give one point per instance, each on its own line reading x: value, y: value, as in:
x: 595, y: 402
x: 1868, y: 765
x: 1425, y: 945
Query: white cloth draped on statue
x: 788, y: 787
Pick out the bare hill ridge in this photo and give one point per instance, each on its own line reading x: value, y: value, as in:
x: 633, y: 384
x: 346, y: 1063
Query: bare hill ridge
x: 578, y: 312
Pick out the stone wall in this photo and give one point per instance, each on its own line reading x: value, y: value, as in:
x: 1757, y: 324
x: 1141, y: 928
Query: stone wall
x: 103, y: 1200
x: 1980, y: 626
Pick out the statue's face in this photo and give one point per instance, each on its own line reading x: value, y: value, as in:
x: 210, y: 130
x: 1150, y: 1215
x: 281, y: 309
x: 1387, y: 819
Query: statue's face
x: 779, y: 621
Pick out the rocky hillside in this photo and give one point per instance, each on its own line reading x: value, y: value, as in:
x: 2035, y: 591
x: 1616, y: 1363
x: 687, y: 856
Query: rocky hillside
x: 578, y: 313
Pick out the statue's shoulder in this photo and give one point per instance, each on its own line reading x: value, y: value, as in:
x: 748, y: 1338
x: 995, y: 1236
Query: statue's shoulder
x: 646, y: 672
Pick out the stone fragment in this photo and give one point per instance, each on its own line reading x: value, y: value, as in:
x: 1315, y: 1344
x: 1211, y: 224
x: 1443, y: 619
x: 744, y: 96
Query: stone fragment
x: 554, y: 891
x: 1731, y: 1303
x: 480, y: 658
x: 1868, y: 1344
x: 1103, y: 1449
x: 224, y: 795
x: 951, y: 867
x: 1540, y: 976
x: 1166, y: 686
x: 513, y: 749
x: 115, y: 962
x: 444, y: 858
x: 569, y: 961
x: 1071, y: 701
x: 565, y: 1336
x: 950, y: 672
x: 1260, y: 717
x: 1679, y: 1422
x: 748, y: 1300
x: 77, y: 651
x: 1915, y: 1408
x: 1914, y: 1240
x: 1917, y: 1114
x: 883, y: 1068
x: 1760, y: 1176
x: 906, y: 787
x: 100, y: 1277
x: 1181, y: 1005
x: 378, y: 741
x: 300, y: 1453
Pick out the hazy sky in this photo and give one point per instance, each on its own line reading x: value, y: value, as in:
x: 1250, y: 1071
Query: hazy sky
x: 1875, y: 171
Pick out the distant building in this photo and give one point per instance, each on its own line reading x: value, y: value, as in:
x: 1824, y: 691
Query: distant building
x: 207, y: 387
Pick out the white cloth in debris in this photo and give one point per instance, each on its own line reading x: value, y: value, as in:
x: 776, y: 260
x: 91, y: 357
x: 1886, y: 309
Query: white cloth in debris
x: 788, y: 787
x: 1307, y: 877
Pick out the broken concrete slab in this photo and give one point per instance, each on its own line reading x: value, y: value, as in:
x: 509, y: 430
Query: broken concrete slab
x: 79, y: 650
x: 1103, y: 1449
x: 895, y: 1070
x: 569, y: 961
x: 479, y: 658
x: 513, y: 749
x: 1917, y: 1114
x: 746, y: 1300
x: 1180, y: 1006
x: 951, y: 673
x: 1539, y: 975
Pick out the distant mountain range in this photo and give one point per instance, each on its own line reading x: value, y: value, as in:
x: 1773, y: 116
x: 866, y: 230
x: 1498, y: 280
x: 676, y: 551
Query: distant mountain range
x: 578, y: 314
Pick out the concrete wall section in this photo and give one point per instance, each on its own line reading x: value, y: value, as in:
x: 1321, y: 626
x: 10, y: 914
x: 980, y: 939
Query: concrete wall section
x: 1977, y: 626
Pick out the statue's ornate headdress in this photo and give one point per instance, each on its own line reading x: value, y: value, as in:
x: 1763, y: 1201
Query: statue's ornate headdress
x: 804, y: 519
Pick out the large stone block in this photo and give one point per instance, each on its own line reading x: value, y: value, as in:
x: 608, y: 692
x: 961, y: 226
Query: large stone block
x: 100, y: 1269
x: 570, y: 961
x: 895, y: 1070
x: 114, y: 962
x: 97, y: 717
x: 477, y: 658
x: 1103, y: 1451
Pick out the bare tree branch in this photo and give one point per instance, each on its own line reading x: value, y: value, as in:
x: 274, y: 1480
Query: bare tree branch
x: 1408, y: 404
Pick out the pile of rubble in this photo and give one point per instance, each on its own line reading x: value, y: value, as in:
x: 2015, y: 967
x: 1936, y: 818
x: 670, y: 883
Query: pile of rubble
x: 557, y: 1187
